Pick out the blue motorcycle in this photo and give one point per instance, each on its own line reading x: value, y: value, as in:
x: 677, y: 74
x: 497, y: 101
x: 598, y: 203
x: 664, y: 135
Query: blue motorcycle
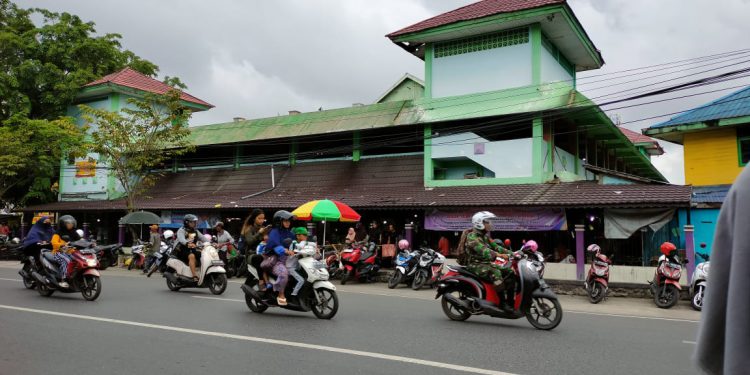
x: 406, y: 268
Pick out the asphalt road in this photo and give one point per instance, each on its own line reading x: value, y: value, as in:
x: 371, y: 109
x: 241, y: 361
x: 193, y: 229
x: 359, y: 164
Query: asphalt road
x: 137, y: 326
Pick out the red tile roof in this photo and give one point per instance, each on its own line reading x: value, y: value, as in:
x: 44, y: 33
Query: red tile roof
x: 636, y: 137
x: 136, y: 80
x: 373, y: 184
x: 473, y: 11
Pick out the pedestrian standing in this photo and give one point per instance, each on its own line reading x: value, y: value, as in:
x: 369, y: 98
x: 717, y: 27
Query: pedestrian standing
x: 388, y: 247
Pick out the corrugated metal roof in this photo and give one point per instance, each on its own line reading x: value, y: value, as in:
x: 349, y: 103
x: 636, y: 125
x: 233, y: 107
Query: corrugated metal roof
x: 736, y: 104
x: 710, y: 194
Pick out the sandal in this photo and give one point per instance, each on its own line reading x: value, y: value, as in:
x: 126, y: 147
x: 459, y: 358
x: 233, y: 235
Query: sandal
x: 281, y: 301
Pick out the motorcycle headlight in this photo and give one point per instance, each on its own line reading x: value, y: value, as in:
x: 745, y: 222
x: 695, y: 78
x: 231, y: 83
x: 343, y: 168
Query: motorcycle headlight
x: 91, y: 262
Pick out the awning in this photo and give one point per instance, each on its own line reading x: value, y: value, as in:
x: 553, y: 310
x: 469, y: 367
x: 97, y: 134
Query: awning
x: 622, y: 223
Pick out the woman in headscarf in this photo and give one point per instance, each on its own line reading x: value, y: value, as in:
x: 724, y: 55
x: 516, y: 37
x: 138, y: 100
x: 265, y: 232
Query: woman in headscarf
x: 66, y: 233
x: 41, y: 232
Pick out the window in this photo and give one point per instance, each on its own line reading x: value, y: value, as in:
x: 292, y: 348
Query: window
x: 743, y: 144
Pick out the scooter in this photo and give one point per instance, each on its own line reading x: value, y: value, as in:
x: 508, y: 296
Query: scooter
x: 30, y: 261
x: 84, y: 276
x: 137, y: 259
x: 154, y: 259
x: 160, y: 263
x: 107, y: 255
x: 429, y: 269
x: 698, y: 283
x: 666, y: 284
x: 597, y: 281
x: 359, y: 263
x: 211, y: 274
x: 465, y: 294
x: 317, y: 294
x: 406, y: 268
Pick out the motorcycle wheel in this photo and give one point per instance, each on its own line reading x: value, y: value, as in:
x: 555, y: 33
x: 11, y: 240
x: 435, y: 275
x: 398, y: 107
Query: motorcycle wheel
x: 253, y: 305
x: 153, y: 269
x: 172, y: 286
x: 452, y: 311
x: 104, y: 264
x: 44, y: 290
x: 114, y: 262
x: 91, y: 287
x: 395, y: 279
x: 697, y: 300
x: 346, y: 276
x: 326, y: 309
x: 596, y: 293
x: 229, y: 271
x: 667, y: 298
x: 28, y: 282
x: 217, y: 283
x: 542, y: 308
x: 419, y: 280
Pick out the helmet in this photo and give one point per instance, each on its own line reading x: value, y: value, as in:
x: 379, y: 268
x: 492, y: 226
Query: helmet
x: 80, y: 232
x: 594, y: 248
x: 15, y: 240
x: 66, y: 219
x: 300, y: 230
x: 188, y: 218
x: 280, y: 216
x: 667, y: 247
x: 531, y: 244
x: 207, y: 237
x: 477, y: 221
x: 507, y: 242
x: 168, y: 234
x: 403, y: 244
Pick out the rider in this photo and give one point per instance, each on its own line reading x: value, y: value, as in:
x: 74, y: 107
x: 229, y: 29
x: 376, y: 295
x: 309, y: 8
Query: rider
x: 41, y: 233
x: 66, y: 233
x: 223, y: 240
x: 482, y: 253
x: 299, y: 245
x: 279, y: 240
x: 187, y: 240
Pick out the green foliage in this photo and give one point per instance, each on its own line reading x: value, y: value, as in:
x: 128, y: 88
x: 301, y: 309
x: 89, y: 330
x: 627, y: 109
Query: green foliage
x: 139, y: 140
x: 42, y: 67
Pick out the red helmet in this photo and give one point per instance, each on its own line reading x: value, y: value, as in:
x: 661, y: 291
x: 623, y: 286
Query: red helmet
x: 507, y: 242
x: 667, y: 247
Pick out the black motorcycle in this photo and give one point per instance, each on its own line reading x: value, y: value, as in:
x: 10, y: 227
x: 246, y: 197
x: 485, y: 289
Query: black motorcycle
x: 108, y: 255
x: 30, y: 261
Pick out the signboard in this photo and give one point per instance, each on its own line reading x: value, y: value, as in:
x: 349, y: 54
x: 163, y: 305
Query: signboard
x: 508, y: 220
x: 86, y: 168
x: 38, y: 215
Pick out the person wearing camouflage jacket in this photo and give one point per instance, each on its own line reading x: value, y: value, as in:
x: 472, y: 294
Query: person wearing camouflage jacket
x: 482, y: 253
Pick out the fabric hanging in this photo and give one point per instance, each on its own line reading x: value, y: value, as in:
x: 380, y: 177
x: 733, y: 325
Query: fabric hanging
x: 621, y: 223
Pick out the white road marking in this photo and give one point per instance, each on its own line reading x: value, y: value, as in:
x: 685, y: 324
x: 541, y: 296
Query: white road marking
x: 387, y: 357
x: 630, y: 316
x: 9, y: 279
x: 220, y: 299
x: 689, y: 342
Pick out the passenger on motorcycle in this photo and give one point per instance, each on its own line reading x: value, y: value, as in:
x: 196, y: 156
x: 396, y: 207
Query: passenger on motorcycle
x: 292, y: 264
x: 261, y: 249
x: 66, y: 233
x: 277, y: 249
x: 187, y: 243
x: 41, y: 233
x: 482, y: 252
x: 223, y: 241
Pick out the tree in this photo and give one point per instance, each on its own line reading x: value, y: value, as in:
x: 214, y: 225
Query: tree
x: 139, y: 140
x: 42, y: 67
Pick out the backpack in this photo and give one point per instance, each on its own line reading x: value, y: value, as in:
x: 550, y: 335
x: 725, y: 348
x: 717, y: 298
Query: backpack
x: 462, y: 258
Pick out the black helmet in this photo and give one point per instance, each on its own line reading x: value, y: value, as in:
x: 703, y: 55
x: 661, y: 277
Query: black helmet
x: 188, y: 218
x: 280, y: 216
x: 66, y: 219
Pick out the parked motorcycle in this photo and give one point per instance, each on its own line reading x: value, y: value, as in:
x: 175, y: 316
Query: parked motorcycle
x: 465, y: 294
x: 137, y: 259
x: 107, y: 255
x: 597, y: 281
x: 666, y: 284
x: 698, y: 283
x: 333, y: 264
x: 406, y: 268
x: 359, y: 263
x: 83, y: 278
x: 211, y: 274
x: 317, y: 294
x: 429, y: 269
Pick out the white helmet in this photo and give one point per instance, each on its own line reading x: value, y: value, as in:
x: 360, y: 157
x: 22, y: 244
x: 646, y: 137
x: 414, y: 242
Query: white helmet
x: 80, y: 232
x: 207, y: 237
x: 477, y: 221
x: 168, y: 234
x: 594, y: 248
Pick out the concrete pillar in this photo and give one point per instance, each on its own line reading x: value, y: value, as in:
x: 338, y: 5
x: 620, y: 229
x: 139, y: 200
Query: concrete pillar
x: 85, y: 230
x: 580, y: 253
x: 121, y: 233
x: 311, y: 229
x: 690, y: 250
x: 23, y: 230
x: 409, y: 229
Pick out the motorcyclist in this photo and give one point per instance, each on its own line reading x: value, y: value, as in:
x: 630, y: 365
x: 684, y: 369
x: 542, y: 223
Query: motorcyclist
x: 279, y: 241
x: 482, y: 253
x: 187, y: 243
x: 223, y: 241
x: 66, y: 233
x: 40, y: 234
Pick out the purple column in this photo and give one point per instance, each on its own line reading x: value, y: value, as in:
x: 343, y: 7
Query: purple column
x: 580, y: 258
x: 690, y: 250
x: 85, y: 230
x: 23, y: 230
x: 121, y: 233
x: 409, y: 229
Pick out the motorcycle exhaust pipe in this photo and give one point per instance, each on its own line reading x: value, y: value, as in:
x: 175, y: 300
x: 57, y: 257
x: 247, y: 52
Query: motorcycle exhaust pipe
x: 248, y: 290
x: 455, y: 301
x: 24, y: 273
x: 38, y: 277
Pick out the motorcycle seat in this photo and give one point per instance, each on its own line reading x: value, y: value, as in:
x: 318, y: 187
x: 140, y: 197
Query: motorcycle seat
x: 49, y: 256
x: 368, y: 255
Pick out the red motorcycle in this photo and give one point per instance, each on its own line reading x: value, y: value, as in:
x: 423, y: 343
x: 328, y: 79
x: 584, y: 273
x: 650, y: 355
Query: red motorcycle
x: 666, y: 284
x: 465, y: 294
x: 597, y: 281
x: 84, y: 276
x: 359, y: 263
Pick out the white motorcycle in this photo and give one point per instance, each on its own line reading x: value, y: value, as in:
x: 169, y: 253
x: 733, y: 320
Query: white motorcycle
x: 211, y: 274
x: 698, y: 283
x: 317, y: 294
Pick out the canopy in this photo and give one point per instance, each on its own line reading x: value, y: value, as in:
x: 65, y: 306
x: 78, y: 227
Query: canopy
x: 140, y: 217
x: 325, y: 210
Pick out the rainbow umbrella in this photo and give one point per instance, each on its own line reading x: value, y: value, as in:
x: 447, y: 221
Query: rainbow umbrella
x: 326, y: 210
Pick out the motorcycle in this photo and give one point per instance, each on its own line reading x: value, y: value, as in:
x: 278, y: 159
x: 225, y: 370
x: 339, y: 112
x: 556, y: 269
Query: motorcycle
x: 465, y: 294
x: 211, y: 274
x: 161, y: 258
x: 30, y: 262
x: 137, y: 259
x: 406, y: 268
x: 698, y: 283
x: 359, y: 263
x: 597, y: 281
x: 84, y: 276
x: 666, y: 284
x: 429, y: 269
x: 317, y: 294
x: 107, y: 255
x: 153, y: 260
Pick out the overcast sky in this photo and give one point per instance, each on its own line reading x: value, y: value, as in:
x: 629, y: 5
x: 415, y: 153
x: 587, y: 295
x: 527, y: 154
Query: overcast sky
x: 263, y: 58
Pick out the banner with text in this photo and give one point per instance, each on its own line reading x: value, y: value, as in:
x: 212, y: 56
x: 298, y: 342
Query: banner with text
x: 508, y: 220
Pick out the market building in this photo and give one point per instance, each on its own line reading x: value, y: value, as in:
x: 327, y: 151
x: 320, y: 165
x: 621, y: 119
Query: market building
x: 497, y: 124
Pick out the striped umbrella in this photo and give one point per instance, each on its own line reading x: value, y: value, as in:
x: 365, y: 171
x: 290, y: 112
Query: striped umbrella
x: 326, y: 210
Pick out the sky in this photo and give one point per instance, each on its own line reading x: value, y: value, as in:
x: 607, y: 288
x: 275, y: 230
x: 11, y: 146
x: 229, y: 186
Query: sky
x: 263, y: 58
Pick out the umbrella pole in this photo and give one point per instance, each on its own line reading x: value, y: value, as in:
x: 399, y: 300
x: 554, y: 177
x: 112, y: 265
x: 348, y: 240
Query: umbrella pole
x: 325, y: 224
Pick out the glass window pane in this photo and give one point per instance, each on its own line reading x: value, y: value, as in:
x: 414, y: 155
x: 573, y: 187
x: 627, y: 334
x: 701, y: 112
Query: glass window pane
x: 745, y: 150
